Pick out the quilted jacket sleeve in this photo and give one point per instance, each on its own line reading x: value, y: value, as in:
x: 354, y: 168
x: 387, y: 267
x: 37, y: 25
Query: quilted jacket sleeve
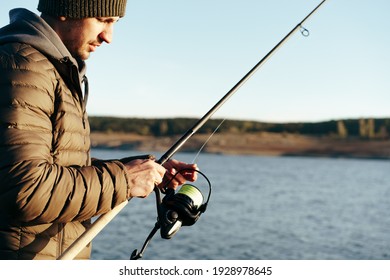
x: 44, y: 172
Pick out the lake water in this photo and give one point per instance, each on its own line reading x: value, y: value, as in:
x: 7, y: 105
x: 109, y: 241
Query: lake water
x: 274, y: 208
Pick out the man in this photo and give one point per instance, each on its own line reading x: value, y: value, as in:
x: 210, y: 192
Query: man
x: 50, y: 187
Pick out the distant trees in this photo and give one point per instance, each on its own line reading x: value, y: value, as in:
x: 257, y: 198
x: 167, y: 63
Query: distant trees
x: 363, y: 128
x: 367, y: 128
x: 341, y: 129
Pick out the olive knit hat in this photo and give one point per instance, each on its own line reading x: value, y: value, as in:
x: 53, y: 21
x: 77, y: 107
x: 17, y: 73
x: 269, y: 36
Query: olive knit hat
x: 83, y: 8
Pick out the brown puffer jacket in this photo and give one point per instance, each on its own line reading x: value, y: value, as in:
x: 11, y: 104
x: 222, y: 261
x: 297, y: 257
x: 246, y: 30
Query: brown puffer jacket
x: 49, y: 189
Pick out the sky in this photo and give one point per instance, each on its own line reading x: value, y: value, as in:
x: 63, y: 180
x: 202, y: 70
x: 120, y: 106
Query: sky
x: 176, y: 58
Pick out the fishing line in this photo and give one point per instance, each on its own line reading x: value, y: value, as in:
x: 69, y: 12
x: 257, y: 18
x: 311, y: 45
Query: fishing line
x: 208, y: 139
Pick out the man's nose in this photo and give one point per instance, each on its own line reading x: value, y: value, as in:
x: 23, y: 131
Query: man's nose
x: 107, y: 35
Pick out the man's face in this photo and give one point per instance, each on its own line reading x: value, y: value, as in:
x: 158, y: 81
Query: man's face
x: 83, y: 36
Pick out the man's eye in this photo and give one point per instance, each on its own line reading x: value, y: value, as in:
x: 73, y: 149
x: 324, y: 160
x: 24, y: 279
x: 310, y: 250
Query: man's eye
x: 107, y: 20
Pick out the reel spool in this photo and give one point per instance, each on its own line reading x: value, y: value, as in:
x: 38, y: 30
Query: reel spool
x: 180, y: 209
x: 176, y: 209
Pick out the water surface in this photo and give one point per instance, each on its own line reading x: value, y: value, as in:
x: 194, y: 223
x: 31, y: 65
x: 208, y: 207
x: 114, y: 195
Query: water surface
x: 287, y: 208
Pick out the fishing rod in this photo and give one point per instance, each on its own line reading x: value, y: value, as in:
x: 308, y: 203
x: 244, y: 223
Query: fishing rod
x: 234, y: 89
x: 104, y: 219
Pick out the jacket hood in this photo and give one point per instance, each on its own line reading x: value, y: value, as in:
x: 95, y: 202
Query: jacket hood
x: 28, y: 28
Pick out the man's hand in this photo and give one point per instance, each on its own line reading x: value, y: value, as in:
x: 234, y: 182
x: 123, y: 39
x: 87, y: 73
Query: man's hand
x: 172, y: 167
x: 144, y: 175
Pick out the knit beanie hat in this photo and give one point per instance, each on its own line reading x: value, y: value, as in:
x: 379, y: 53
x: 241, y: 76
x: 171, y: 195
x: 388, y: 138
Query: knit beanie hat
x: 83, y: 8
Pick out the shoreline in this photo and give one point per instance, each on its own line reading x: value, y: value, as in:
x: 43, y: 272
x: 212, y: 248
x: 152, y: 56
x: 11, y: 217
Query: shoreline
x: 264, y: 143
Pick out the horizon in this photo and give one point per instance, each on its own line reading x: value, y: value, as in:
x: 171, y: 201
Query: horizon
x: 240, y: 120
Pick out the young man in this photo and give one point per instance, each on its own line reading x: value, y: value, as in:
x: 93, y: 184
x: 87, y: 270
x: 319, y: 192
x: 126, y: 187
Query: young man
x: 50, y: 187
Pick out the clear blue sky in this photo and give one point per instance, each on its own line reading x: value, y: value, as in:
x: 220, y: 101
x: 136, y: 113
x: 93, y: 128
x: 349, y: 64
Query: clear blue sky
x: 176, y: 58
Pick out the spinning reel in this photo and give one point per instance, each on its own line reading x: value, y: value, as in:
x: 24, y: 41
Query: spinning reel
x: 176, y: 209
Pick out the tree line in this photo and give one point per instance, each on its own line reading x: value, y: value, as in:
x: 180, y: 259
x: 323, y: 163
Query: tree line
x: 378, y: 128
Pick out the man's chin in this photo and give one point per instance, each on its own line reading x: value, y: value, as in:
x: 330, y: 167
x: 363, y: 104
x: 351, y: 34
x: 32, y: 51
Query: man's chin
x: 83, y: 56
